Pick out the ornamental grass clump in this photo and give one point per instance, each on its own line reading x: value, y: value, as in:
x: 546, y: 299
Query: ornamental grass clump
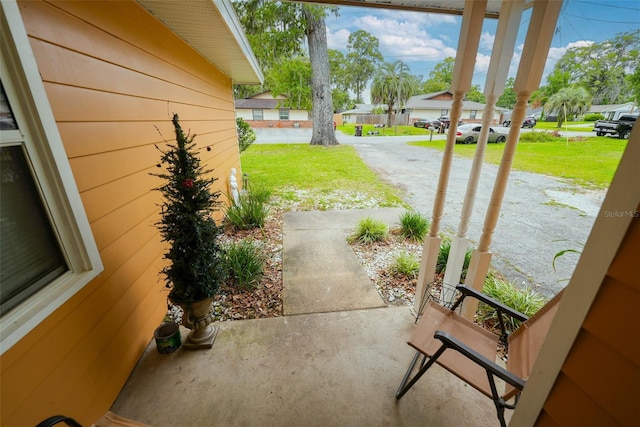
x: 369, y: 230
x: 526, y: 301
x: 413, y: 226
x: 405, y: 264
x: 244, y: 262
x: 195, y: 269
x: 251, y: 209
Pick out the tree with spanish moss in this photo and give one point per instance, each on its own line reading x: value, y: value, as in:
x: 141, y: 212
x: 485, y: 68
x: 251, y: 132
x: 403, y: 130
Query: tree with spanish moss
x: 276, y: 31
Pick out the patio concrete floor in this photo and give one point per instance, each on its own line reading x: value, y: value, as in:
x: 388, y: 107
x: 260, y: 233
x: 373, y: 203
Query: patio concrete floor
x: 332, y: 368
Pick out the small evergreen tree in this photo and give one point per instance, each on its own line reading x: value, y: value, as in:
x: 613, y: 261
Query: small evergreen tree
x: 195, y: 271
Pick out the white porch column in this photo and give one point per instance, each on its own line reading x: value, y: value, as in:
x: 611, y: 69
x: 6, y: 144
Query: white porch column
x: 472, y: 19
x: 534, y: 55
x: 501, y: 54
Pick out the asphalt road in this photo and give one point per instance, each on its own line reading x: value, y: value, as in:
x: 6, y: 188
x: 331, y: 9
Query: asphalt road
x: 540, y: 215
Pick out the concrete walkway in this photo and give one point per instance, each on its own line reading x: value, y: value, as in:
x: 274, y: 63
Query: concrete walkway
x: 337, y: 366
x: 320, y: 271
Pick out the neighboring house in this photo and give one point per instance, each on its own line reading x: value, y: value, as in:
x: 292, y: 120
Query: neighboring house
x: 264, y: 110
x: 612, y: 112
x: 438, y: 104
x: 89, y: 91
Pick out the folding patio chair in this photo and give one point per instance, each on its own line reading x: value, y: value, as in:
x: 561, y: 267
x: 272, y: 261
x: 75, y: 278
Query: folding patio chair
x: 107, y: 420
x: 469, y: 351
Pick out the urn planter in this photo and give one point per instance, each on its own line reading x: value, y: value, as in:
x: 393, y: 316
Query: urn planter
x: 198, y: 316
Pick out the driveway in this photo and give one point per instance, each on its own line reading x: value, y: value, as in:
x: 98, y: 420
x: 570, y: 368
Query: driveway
x: 540, y: 216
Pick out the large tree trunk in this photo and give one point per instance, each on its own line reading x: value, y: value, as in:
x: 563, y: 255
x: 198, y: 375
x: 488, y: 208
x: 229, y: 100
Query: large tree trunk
x: 322, y: 114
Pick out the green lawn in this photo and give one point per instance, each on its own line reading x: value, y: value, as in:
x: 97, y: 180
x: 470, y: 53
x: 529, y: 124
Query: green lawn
x: 590, y: 162
x: 319, y: 171
x: 580, y: 126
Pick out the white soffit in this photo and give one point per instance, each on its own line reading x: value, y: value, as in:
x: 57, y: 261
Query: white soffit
x: 451, y: 7
x: 212, y: 28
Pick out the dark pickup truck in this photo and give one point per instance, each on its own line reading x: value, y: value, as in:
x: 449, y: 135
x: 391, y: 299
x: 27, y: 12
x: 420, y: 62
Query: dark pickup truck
x: 621, y: 127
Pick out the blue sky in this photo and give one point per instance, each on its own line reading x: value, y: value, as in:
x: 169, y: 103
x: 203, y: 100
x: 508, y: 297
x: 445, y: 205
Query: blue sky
x: 422, y: 40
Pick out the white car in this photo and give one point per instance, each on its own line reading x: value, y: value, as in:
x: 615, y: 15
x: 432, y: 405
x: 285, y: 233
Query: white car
x: 468, y: 133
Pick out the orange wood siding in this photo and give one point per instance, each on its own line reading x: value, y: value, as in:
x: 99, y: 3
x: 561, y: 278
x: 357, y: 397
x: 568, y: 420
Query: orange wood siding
x: 599, y: 383
x: 114, y: 76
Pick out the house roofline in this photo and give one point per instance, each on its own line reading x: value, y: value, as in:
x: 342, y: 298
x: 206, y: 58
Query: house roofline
x: 212, y: 28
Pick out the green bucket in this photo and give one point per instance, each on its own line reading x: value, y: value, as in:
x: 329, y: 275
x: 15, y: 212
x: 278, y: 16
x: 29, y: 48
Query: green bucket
x: 167, y: 337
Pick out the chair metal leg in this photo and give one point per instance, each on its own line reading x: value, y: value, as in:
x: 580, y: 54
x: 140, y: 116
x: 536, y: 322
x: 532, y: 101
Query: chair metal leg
x: 498, y: 401
x: 408, y: 373
x: 56, y: 419
x: 404, y: 386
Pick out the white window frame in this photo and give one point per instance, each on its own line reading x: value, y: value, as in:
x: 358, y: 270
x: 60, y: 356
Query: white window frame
x: 52, y: 171
x: 283, y: 114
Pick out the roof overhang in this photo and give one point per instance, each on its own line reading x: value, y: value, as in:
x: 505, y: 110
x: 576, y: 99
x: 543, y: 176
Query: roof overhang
x: 451, y: 7
x: 212, y: 28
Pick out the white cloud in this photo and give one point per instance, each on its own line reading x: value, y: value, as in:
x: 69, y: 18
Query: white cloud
x: 338, y: 39
x: 482, y: 63
x: 404, y: 36
x: 486, y: 41
x: 555, y: 53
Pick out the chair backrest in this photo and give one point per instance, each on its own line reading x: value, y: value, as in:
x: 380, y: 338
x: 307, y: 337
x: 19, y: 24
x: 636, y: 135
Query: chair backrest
x: 525, y: 342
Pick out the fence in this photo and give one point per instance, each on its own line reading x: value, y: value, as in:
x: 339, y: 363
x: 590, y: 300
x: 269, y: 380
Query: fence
x: 381, y: 119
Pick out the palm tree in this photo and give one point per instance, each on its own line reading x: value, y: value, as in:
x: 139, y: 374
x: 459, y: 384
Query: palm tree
x: 392, y: 85
x: 569, y: 102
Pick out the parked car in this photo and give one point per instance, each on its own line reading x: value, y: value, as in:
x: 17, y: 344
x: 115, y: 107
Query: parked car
x: 427, y: 123
x: 621, y: 127
x: 446, y: 121
x: 529, y: 122
x: 468, y: 134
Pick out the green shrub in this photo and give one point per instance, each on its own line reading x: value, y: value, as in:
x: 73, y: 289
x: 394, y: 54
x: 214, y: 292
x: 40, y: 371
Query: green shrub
x: 405, y: 264
x: 246, y: 135
x: 592, y: 117
x: 535, y: 136
x: 250, y: 211
x: 443, y: 256
x: 368, y: 231
x: 244, y: 262
x: 526, y: 301
x: 413, y: 226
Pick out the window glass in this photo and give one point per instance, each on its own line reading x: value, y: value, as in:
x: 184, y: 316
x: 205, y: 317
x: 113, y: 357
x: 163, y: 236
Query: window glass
x: 284, y: 114
x: 472, y: 114
x: 7, y: 122
x: 30, y: 255
x: 257, y: 115
x: 29, y: 252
